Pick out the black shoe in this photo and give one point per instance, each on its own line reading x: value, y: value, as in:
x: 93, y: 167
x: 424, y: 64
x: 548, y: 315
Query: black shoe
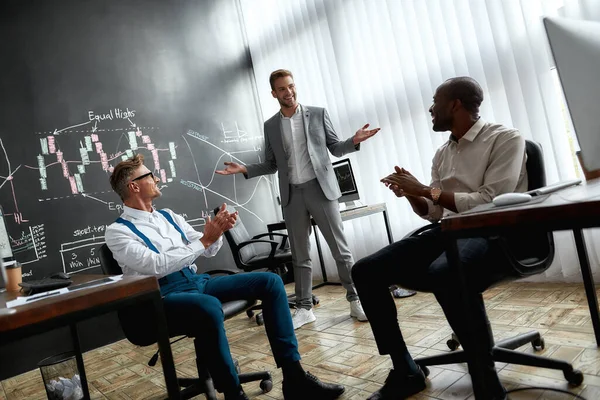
x: 310, y: 387
x: 399, y: 386
x: 236, y: 395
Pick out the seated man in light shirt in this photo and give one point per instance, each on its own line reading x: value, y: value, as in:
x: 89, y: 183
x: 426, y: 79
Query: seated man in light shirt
x: 479, y: 161
x: 146, y: 241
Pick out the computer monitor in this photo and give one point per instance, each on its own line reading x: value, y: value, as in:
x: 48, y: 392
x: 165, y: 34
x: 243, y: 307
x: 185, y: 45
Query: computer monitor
x: 2, y: 275
x: 6, y: 253
x: 575, y: 47
x: 345, y: 178
x: 6, y: 256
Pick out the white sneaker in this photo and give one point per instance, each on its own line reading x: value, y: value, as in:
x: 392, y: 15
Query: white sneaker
x: 356, y: 311
x: 302, y: 316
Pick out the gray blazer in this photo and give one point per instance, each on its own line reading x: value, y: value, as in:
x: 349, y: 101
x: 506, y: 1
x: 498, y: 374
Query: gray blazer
x: 320, y: 136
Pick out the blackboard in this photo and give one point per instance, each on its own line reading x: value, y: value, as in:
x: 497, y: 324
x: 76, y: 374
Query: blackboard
x: 84, y: 83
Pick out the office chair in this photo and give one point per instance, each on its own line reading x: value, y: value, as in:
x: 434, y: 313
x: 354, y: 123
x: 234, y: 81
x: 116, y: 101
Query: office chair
x: 251, y: 253
x: 522, y: 264
x: 138, y: 325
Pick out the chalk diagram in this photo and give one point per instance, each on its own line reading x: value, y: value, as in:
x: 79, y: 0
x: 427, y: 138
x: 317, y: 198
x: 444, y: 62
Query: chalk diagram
x: 28, y: 239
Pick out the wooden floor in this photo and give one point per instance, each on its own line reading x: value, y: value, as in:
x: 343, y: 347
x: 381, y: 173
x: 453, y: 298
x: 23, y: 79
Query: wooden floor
x: 337, y: 348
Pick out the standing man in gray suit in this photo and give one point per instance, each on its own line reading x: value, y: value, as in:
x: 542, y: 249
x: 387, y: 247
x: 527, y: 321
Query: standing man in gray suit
x: 296, y: 142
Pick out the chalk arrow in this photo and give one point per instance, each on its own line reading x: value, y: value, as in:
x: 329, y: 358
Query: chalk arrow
x: 87, y: 195
x: 56, y: 131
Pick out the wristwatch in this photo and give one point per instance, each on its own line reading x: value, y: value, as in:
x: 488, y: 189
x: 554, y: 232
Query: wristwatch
x: 435, y: 195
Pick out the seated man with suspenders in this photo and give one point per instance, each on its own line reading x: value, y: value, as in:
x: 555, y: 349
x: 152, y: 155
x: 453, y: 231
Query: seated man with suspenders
x: 146, y: 241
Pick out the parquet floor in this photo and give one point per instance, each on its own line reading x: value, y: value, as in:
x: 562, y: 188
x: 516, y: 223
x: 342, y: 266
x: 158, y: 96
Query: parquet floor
x: 337, y: 348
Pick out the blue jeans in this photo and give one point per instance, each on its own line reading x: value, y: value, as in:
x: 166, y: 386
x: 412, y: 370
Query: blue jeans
x: 193, y: 308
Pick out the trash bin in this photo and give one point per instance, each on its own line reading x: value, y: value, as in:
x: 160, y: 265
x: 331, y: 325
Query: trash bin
x: 61, y: 377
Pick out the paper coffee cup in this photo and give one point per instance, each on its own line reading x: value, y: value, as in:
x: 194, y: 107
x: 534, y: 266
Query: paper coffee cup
x: 14, y: 276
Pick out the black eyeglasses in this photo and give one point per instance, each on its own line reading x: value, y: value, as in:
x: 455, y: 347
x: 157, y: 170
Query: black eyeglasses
x: 143, y: 176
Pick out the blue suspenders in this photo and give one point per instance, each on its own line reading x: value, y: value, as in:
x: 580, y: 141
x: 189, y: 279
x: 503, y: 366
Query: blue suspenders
x: 135, y: 230
x: 170, y: 219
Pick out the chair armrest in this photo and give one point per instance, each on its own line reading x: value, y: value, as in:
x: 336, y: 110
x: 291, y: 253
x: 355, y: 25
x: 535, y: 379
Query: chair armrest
x: 283, y: 235
x: 272, y: 242
x: 418, y: 231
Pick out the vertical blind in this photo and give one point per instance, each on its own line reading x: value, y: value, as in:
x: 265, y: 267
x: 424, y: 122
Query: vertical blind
x: 380, y: 61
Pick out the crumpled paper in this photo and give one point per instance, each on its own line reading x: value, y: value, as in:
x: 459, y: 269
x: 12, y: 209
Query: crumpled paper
x: 65, y: 389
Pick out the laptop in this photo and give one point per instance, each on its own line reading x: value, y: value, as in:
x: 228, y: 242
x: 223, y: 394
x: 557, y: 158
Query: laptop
x: 554, y: 187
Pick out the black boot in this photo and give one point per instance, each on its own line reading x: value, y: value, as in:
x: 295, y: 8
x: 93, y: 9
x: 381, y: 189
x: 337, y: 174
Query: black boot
x: 308, y: 387
x: 400, y: 386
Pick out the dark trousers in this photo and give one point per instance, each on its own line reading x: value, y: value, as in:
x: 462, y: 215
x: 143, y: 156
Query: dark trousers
x: 420, y: 263
x: 193, y: 308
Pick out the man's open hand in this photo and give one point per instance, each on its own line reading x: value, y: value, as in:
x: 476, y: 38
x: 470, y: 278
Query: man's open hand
x: 232, y: 168
x: 363, y: 134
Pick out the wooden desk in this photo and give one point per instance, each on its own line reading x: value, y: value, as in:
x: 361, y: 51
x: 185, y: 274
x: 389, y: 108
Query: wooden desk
x: 573, y: 209
x: 347, y: 215
x: 70, y: 308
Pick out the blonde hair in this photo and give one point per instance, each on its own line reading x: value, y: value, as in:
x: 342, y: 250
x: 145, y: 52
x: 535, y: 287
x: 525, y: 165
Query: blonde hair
x: 280, y: 73
x: 122, y: 173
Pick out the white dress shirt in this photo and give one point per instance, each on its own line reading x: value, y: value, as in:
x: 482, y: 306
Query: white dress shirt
x: 487, y: 161
x: 300, y: 167
x: 135, y: 258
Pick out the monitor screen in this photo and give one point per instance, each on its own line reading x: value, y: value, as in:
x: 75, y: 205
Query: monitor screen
x: 575, y: 47
x: 5, y: 249
x: 2, y: 275
x: 345, y: 178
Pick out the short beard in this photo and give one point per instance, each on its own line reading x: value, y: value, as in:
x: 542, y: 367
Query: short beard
x: 442, y: 126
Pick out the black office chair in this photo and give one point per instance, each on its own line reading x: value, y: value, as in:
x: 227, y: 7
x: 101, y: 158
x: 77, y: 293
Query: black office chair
x: 138, y: 324
x: 523, y: 264
x: 253, y: 253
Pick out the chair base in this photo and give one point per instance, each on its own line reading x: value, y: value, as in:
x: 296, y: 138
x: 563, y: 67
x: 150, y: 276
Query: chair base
x: 503, y: 351
x: 196, y: 386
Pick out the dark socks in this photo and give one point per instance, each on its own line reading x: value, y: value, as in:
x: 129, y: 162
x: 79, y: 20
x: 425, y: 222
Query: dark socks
x: 292, y: 370
x: 404, y: 363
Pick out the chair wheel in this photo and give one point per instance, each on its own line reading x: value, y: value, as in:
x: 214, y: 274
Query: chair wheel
x: 452, y: 344
x: 539, y: 344
x: 315, y: 300
x: 574, y: 377
x: 259, y: 319
x: 425, y: 370
x: 266, y: 385
x: 250, y: 313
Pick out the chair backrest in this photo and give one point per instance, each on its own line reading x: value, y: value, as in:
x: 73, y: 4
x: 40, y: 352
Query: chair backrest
x: 137, y: 321
x: 536, y: 173
x: 108, y: 264
x: 236, y: 235
x: 531, y: 252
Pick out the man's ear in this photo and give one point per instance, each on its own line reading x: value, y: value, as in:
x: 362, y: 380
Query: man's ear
x: 133, y: 187
x: 456, y: 105
x: 273, y: 94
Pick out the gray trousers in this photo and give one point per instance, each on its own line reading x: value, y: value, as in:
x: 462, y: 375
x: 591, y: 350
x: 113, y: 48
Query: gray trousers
x: 308, y: 199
